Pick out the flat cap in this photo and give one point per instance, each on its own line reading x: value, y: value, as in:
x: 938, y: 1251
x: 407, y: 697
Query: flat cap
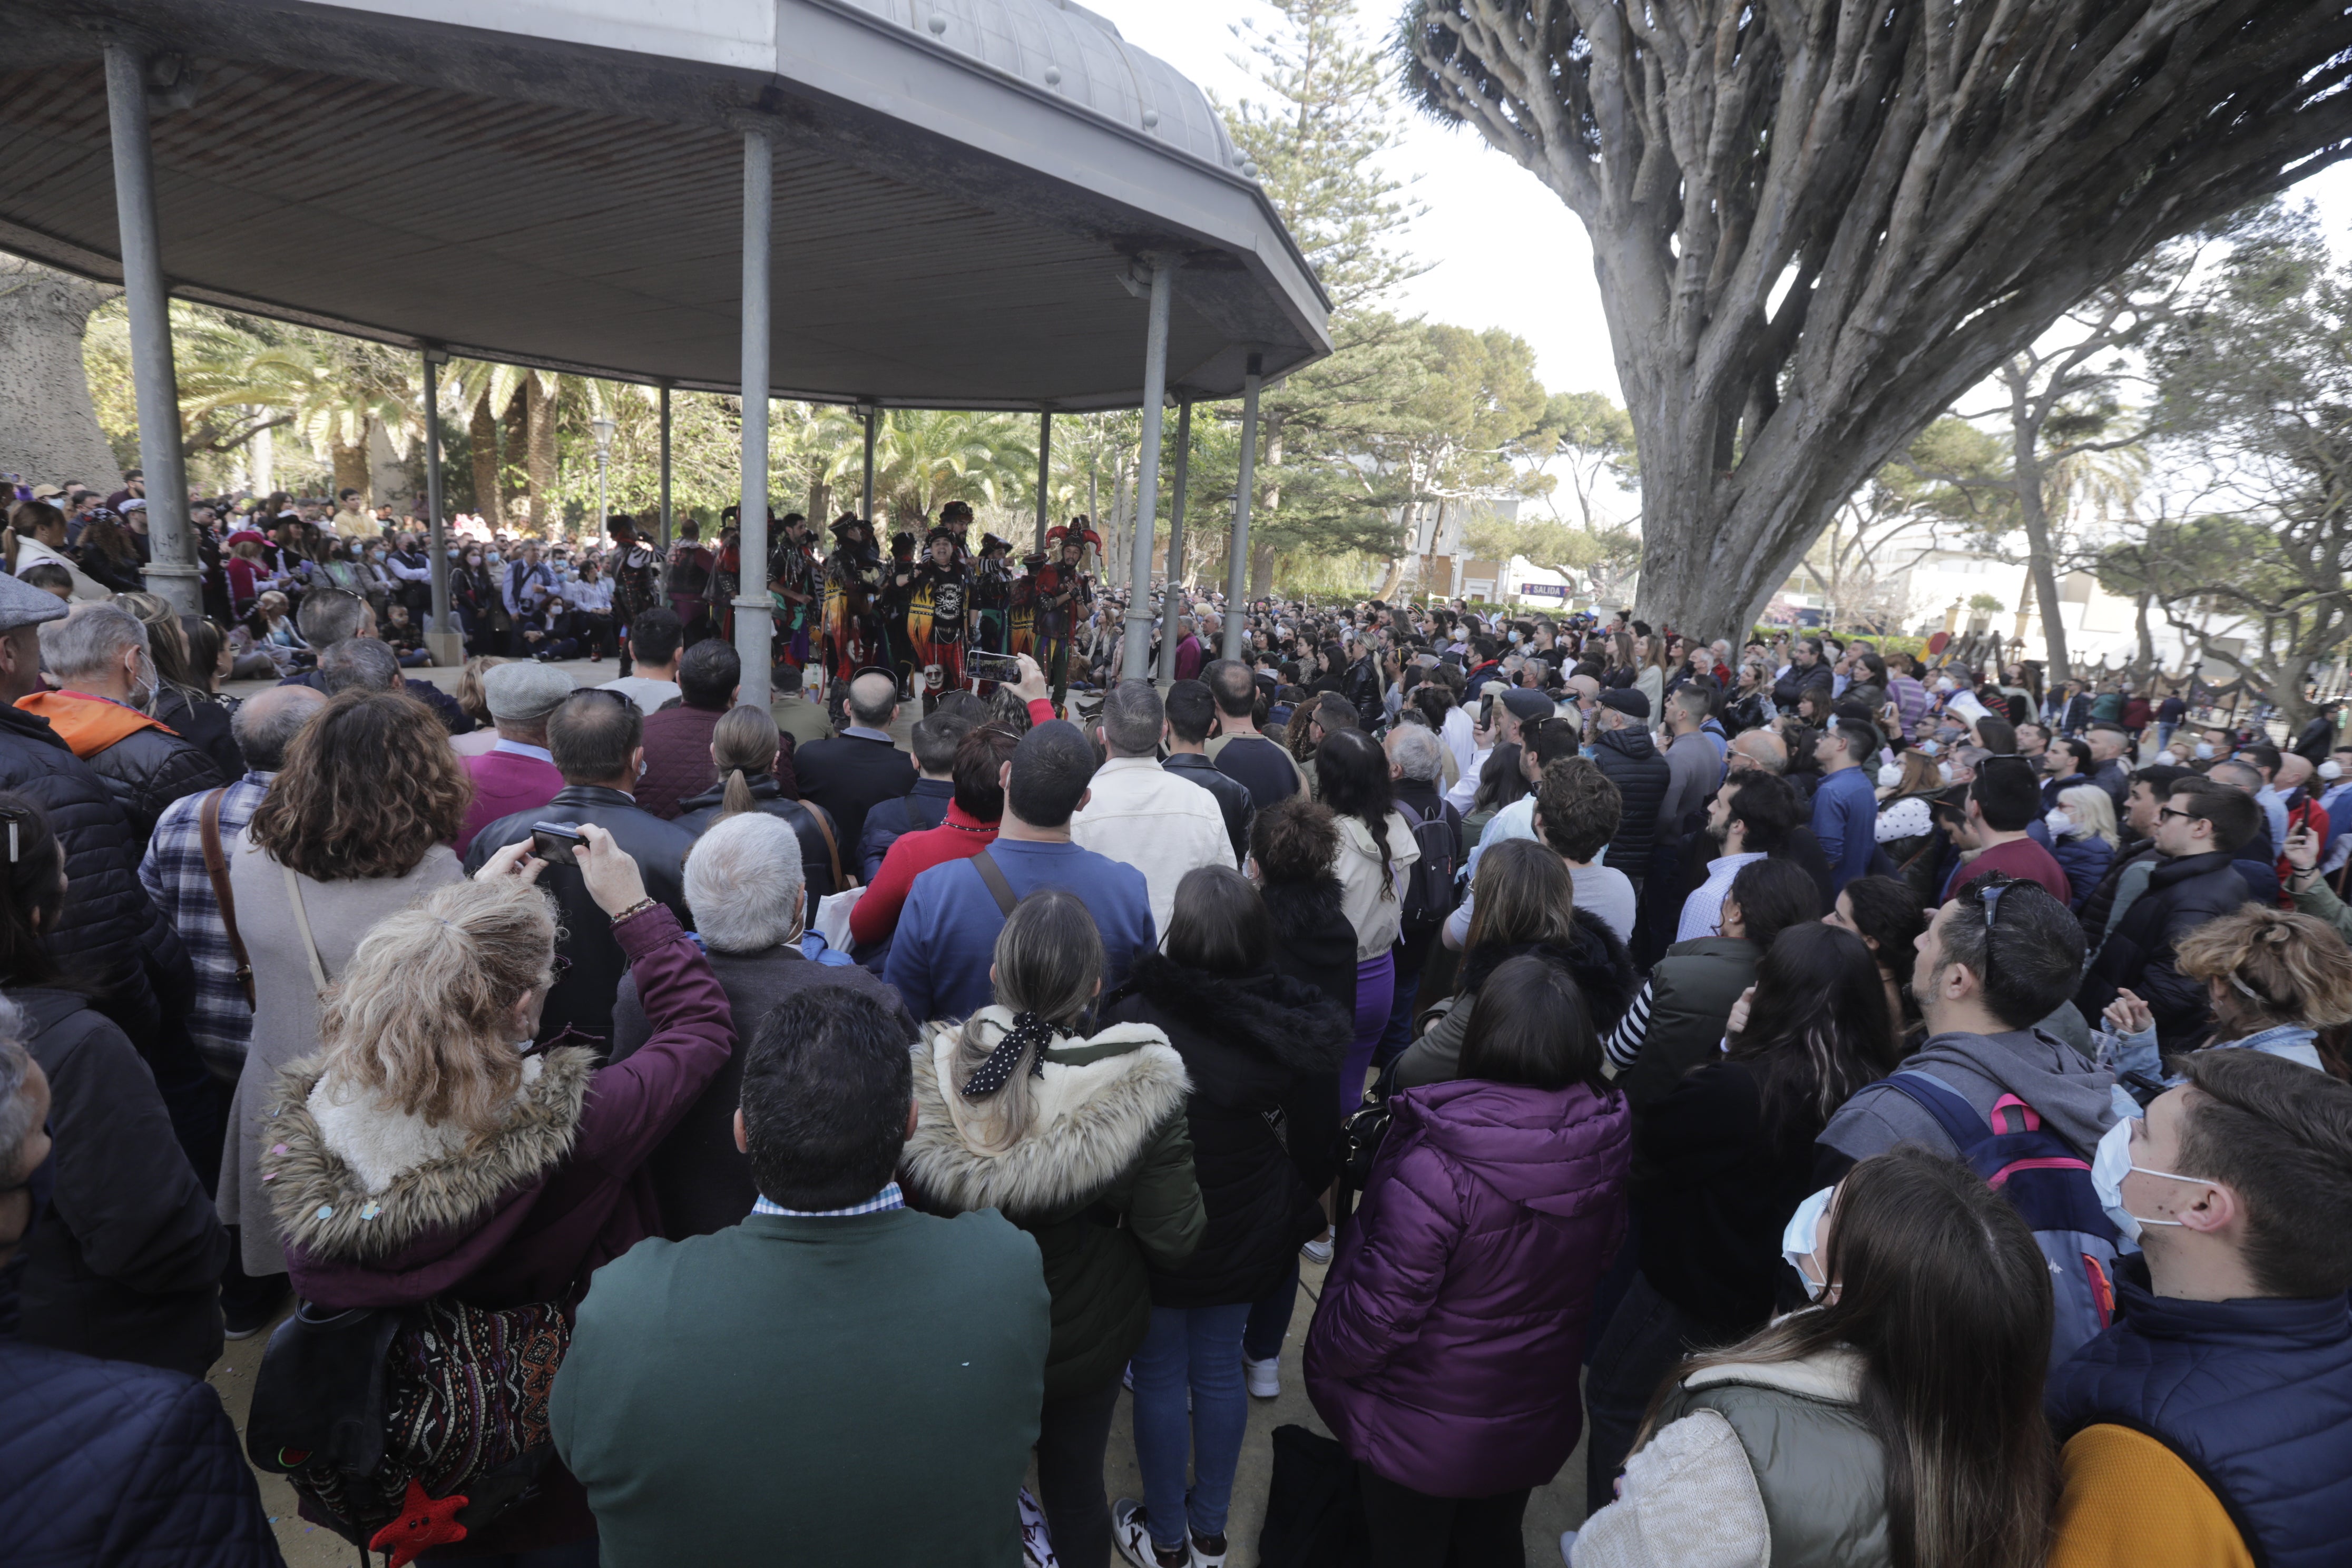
x: 1527, y: 704
x: 22, y: 605
x: 1627, y: 699
x: 524, y: 691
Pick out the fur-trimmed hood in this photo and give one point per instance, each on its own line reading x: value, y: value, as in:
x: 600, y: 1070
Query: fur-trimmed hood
x: 1093, y: 1118
x: 1597, y: 961
x: 1267, y: 1015
x: 365, y: 1185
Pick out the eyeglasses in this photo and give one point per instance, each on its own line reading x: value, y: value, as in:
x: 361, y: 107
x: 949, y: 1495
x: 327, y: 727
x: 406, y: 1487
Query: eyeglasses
x: 2166, y: 812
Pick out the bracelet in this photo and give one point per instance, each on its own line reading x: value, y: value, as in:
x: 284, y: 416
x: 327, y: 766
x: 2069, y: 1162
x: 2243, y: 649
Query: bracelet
x: 633, y: 910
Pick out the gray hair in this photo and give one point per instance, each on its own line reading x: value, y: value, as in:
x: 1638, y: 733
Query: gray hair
x: 265, y: 725
x: 1417, y: 751
x: 92, y: 638
x: 744, y: 884
x: 330, y: 617
x: 1131, y: 717
x: 17, y: 1122
x: 361, y: 662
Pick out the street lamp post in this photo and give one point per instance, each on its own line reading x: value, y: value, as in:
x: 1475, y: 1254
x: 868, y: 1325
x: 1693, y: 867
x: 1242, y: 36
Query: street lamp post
x: 603, y: 425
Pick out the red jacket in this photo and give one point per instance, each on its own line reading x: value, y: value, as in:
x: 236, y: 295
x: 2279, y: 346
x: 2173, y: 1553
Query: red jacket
x: 959, y: 837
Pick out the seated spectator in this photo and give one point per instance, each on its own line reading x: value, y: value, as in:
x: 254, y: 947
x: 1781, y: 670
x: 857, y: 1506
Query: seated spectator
x: 2082, y: 839
x: 419, y: 1155
x: 971, y: 825
x: 123, y: 1263
x: 2205, y: 1426
x: 1255, y: 1043
x: 1680, y: 1018
x: 743, y: 888
x: 1722, y: 1162
x: 1083, y: 1143
x: 745, y: 750
x: 1139, y: 813
x: 1445, y: 1347
x: 597, y: 740
x: 184, y: 700
x: 1527, y: 907
x: 921, y: 1338
x: 925, y: 805
x: 156, y: 1469
x: 2002, y: 804
x: 677, y: 740
x: 518, y: 772
x: 947, y: 931
x: 100, y: 658
x: 1749, y: 818
x: 2200, y: 831
x: 330, y: 617
x: 657, y: 645
x: 1906, y: 1406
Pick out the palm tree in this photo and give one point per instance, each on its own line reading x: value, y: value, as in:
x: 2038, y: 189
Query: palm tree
x: 924, y: 458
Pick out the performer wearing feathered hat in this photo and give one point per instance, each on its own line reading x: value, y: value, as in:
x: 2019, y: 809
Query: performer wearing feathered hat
x: 853, y: 585
x: 1063, y: 595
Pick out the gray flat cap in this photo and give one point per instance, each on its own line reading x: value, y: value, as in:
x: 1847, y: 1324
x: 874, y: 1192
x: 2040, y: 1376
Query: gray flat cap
x: 22, y: 605
x: 524, y: 692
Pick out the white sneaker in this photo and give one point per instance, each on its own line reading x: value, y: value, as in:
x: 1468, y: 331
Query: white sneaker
x: 1202, y: 1556
x: 1265, y: 1376
x: 1319, y: 1249
x: 1128, y: 1532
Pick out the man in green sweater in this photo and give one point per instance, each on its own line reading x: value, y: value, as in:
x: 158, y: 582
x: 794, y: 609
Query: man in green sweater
x: 836, y: 1379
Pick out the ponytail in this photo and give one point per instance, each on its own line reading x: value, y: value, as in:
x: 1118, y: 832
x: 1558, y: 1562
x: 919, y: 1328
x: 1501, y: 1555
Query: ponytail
x: 738, y: 798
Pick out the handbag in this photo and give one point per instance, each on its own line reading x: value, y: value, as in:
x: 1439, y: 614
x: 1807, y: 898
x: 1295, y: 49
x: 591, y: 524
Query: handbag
x: 216, y: 870
x: 1314, y: 1513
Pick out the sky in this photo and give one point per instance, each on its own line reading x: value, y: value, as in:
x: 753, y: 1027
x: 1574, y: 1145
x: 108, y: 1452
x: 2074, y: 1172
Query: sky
x: 1506, y: 252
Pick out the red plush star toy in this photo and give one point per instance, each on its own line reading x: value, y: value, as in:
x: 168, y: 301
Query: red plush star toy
x: 423, y: 1523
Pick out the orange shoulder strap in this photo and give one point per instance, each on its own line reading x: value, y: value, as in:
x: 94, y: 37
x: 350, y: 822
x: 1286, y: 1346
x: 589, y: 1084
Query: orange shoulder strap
x: 2129, y: 1501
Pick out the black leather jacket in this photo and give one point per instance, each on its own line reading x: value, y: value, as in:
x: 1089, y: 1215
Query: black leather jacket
x: 1232, y: 796
x: 808, y: 821
x: 583, y: 999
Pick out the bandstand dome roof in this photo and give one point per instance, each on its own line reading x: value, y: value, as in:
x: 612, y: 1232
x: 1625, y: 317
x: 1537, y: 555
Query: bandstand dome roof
x: 966, y: 192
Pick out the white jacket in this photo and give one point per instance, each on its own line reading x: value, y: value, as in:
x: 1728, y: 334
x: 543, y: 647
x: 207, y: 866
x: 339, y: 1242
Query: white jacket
x: 1141, y: 815
x: 1375, y: 918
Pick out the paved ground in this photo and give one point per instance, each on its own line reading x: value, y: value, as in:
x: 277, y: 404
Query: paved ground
x: 1552, y: 1509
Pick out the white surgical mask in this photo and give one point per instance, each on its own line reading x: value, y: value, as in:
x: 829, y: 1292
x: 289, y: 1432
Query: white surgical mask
x: 1890, y: 774
x: 1800, y: 1239
x: 1943, y: 772
x: 2166, y: 759
x: 1928, y: 748
x: 2058, y: 822
x: 2204, y: 750
x: 2110, y: 1165
x: 2331, y: 770
x: 1944, y: 684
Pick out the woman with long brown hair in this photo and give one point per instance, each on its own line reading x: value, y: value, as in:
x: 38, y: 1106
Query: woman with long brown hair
x: 356, y: 826
x: 1899, y: 1422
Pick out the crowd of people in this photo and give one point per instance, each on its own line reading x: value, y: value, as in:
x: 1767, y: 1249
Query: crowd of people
x: 1884, y: 1114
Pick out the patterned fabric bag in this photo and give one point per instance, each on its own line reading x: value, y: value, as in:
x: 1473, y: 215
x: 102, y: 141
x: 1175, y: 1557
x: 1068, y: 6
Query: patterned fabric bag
x: 451, y: 1412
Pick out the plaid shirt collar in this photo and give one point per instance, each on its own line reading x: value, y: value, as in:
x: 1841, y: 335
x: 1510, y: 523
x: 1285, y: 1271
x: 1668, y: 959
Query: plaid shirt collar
x: 889, y: 1198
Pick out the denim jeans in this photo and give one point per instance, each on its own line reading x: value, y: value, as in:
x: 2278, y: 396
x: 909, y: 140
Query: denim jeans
x: 1199, y: 1347
x: 1646, y: 1338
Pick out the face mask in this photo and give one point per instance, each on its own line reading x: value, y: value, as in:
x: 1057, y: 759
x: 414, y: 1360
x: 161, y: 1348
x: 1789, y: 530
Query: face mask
x: 2331, y: 770
x: 1928, y: 748
x: 2166, y: 759
x: 1890, y: 774
x: 1945, y: 684
x: 2058, y: 823
x: 1943, y: 772
x: 2204, y: 750
x: 1515, y: 637
x: 1799, y: 1239
x: 2110, y: 1165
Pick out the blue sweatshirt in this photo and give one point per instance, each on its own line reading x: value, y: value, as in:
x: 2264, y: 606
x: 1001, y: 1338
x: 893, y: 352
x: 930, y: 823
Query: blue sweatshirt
x: 1845, y: 819
x: 946, y: 938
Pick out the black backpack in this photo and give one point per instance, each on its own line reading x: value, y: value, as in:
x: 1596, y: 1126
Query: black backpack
x: 1430, y: 894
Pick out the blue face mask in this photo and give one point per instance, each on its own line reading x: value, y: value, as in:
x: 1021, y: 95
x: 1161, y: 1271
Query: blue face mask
x: 2111, y: 1165
x: 1800, y: 1240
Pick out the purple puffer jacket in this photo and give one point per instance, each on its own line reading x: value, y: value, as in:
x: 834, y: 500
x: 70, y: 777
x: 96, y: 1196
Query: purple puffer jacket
x: 1446, y: 1352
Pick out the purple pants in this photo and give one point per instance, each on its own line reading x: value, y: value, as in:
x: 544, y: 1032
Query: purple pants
x: 1375, y: 993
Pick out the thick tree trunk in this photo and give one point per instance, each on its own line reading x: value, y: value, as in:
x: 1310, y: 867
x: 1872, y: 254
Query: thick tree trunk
x: 2146, y: 635
x: 262, y: 463
x: 352, y: 469
x: 2025, y: 440
x: 482, y: 436
x: 389, y: 475
x: 1261, y: 575
x: 1269, y: 501
x: 540, y: 454
x: 48, y: 430
x: 1389, y: 584
x: 515, y: 438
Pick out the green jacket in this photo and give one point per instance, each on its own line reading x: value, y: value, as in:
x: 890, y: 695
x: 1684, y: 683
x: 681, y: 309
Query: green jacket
x: 860, y: 1390
x: 1103, y: 1178
x: 2319, y: 900
x: 1822, y: 1474
x: 1691, y: 994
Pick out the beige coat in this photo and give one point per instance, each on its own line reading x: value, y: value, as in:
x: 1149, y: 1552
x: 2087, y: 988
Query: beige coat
x: 286, y: 1006
x: 1375, y: 918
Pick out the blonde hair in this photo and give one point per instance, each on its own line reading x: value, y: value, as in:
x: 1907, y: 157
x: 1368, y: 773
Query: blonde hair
x: 745, y: 741
x: 2094, y: 808
x: 424, y: 1015
x: 469, y: 694
x: 2275, y: 966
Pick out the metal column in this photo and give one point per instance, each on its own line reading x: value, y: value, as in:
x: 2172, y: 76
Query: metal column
x: 446, y: 647
x: 1171, y: 597
x: 1136, y: 658
x: 1044, y: 470
x: 171, y: 573
x: 1244, y: 490
x: 754, y: 626
x: 664, y: 472
x: 873, y: 418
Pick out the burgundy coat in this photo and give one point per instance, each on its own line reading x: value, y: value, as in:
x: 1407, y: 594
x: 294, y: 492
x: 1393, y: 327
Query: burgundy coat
x: 1445, y: 1350
x: 504, y: 783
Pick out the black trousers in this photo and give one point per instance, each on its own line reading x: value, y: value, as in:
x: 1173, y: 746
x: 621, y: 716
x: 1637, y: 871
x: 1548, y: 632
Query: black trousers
x: 1647, y: 1338
x: 1072, y: 1435
x: 1413, y: 1529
